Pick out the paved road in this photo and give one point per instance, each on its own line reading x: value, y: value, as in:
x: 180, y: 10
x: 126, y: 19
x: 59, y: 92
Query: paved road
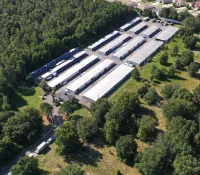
x: 57, y: 121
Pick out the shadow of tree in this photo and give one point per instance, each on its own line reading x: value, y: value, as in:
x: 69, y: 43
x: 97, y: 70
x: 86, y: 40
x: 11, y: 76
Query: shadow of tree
x: 145, y: 111
x: 88, y: 156
x: 18, y: 102
x: 26, y: 91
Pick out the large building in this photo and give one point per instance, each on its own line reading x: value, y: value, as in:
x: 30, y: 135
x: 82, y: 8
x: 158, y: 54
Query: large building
x: 90, y: 76
x: 129, y: 47
x: 146, y: 51
x: 71, y: 73
x: 151, y: 31
x: 107, y: 84
x: 138, y: 28
x: 130, y: 24
x: 167, y: 34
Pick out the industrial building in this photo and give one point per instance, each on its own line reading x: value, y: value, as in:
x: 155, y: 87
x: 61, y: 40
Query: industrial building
x: 141, y: 55
x: 73, y: 72
x: 104, y: 41
x: 129, y: 47
x: 166, y: 34
x: 53, y: 62
x: 111, y: 46
x: 151, y: 31
x: 64, y: 65
x: 130, y: 24
x: 138, y: 28
x: 107, y: 84
x: 90, y: 76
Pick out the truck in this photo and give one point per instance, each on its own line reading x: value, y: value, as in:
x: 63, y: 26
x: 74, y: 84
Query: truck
x: 41, y: 147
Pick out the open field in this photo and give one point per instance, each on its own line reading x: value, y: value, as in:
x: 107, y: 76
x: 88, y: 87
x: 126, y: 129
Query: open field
x: 82, y: 112
x: 28, y: 97
x: 94, y: 160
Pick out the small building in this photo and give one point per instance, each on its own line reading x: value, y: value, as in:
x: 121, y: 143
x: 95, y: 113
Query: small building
x: 167, y: 34
x: 165, y: 1
x: 197, y: 5
x: 144, y: 7
x: 181, y: 3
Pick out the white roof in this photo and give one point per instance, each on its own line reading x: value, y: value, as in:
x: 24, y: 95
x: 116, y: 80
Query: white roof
x: 108, y: 83
x: 55, y: 69
x: 130, y: 23
x: 119, y: 40
x: 41, y: 145
x: 167, y: 33
x: 137, y: 27
x: 70, y: 72
x: 104, y: 39
x: 150, y: 30
x: 89, y: 75
x: 132, y: 44
x: 142, y: 54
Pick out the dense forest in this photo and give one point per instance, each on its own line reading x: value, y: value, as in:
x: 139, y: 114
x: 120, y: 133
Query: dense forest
x: 31, y: 34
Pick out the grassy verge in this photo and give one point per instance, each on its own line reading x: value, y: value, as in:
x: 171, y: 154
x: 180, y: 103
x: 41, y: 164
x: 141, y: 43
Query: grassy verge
x: 27, y: 97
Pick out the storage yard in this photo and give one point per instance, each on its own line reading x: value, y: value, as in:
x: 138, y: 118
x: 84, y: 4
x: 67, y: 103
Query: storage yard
x: 98, y: 70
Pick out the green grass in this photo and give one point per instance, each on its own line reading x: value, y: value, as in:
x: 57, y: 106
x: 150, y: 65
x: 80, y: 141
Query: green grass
x: 27, y: 97
x: 82, y: 112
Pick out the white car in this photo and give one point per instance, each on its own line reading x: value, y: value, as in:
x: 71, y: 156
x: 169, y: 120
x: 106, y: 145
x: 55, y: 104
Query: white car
x: 126, y: 64
x: 50, y: 140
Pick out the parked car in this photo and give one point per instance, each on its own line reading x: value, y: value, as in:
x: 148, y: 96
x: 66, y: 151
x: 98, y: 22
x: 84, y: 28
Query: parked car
x: 50, y: 140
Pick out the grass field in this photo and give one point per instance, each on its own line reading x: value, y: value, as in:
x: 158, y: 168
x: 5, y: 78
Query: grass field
x: 28, y: 97
x: 82, y: 112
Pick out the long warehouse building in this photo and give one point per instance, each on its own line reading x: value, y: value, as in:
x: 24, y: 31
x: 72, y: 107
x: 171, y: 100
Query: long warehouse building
x: 90, y: 76
x: 129, y: 47
x: 61, y: 67
x: 108, y: 83
x: 111, y: 46
x: 74, y: 71
x: 104, y: 41
x: 141, y: 55
x: 166, y: 34
x: 53, y: 62
x: 138, y: 28
x: 130, y: 24
x: 151, y: 31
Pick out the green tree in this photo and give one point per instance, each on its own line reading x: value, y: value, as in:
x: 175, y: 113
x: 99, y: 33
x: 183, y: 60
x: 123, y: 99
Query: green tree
x: 44, y: 86
x: 67, y: 138
x: 190, y: 42
x: 143, y: 89
x: 156, y: 73
x: 186, y: 58
x: 25, y: 127
x: 172, y: 71
x: 26, y: 166
x: 179, y: 107
x: 192, y: 69
x: 196, y: 93
x: 168, y: 90
x: 99, y: 110
x: 151, y: 97
x: 68, y: 107
x: 174, y: 51
x: 87, y: 129
x: 164, y: 59
x: 183, y: 93
x: 186, y: 164
x: 147, y: 128
x: 126, y: 149
x: 136, y: 74
x: 46, y: 109
x: 71, y: 170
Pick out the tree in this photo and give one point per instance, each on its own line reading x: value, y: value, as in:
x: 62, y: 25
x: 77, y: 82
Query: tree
x: 179, y: 107
x: 151, y: 97
x: 174, y: 51
x: 163, y: 59
x: 192, y: 69
x: 71, y: 170
x: 183, y: 93
x: 44, y: 86
x: 186, y: 164
x: 126, y: 148
x: 25, y: 127
x: 196, y: 93
x: 26, y: 166
x: 168, y: 90
x: 143, y: 89
x: 46, y: 108
x: 87, y: 129
x: 147, y: 128
x: 156, y: 73
x: 136, y: 74
x: 99, y: 110
x: 67, y: 138
x: 186, y: 58
x: 69, y: 107
x: 190, y: 42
